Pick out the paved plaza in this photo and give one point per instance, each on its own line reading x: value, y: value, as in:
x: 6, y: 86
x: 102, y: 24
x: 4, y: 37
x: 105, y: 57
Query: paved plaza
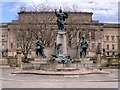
x: 47, y: 81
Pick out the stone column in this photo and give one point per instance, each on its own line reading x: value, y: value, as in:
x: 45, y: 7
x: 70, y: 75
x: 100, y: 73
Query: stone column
x: 19, y: 59
x: 99, y: 59
x: 61, y: 38
x: 64, y: 44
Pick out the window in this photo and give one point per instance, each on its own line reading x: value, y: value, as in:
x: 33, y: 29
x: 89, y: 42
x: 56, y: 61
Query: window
x: 113, y: 38
x: 107, y: 38
x: 11, y: 45
x: 93, y: 34
x: 107, y: 53
x: 93, y: 46
x: 3, y: 35
x: 113, y: 46
x: 52, y: 28
x: 17, y: 45
x: 103, y: 50
x: 107, y: 47
x: 80, y: 35
x: 113, y: 53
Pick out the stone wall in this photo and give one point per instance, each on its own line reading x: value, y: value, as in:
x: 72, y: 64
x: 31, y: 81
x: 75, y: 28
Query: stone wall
x: 42, y: 17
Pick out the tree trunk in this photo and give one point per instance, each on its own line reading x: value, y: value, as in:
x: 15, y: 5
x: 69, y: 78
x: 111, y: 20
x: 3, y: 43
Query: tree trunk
x: 25, y: 59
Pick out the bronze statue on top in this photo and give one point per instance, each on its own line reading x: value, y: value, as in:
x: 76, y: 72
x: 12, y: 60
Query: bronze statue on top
x: 61, y: 16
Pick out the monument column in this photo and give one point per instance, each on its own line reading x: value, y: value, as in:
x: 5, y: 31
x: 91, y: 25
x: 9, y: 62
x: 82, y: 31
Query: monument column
x: 64, y: 44
x: 61, y: 34
x: 61, y: 38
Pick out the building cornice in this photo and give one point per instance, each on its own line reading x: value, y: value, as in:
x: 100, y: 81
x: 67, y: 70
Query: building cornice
x: 111, y: 25
x: 3, y: 25
x: 28, y: 12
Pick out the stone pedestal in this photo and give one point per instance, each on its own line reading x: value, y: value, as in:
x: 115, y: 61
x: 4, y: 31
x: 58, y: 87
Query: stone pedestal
x: 85, y: 62
x: 39, y: 63
x: 19, y: 59
x: 99, y: 59
x: 61, y: 38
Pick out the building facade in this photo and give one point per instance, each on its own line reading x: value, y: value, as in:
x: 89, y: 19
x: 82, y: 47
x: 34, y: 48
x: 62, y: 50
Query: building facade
x: 78, y: 24
x: 4, y: 38
x: 110, y: 38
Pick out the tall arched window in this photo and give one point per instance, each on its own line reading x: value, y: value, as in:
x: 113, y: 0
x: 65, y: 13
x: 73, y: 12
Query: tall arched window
x: 93, y: 34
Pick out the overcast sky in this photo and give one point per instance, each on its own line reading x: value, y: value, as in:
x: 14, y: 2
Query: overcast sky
x: 103, y: 10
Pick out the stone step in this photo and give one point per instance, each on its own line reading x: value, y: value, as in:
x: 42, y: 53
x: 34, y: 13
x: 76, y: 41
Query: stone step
x: 67, y: 69
x: 81, y: 58
x: 42, y: 59
x: 40, y: 62
x: 87, y: 62
x: 78, y: 63
x: 85, y: 59
x: 37, y: 64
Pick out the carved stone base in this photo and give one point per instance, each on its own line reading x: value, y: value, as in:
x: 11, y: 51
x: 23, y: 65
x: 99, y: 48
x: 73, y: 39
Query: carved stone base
x: 61, y: 38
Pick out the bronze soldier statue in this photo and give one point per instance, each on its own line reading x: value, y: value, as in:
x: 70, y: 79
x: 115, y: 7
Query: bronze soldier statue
x: 83, y: 47
x: 40, y: 47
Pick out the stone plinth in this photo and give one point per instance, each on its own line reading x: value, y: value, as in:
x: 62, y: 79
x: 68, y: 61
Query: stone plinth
x: 41, y: 59
x: 19, y: 58
x: 62, y: 73
x: 86, y: 62
x: 39, y: 63
x: 99, y: 60
x: 61, y: 38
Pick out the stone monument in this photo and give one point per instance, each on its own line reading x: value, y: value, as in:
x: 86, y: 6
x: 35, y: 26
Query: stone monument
x: 85, y: 61
x: 61, y: 34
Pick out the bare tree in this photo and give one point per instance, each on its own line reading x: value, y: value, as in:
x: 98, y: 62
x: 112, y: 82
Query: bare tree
x: 42, y: 8
x: 30, y: 27
x: 25, y: 36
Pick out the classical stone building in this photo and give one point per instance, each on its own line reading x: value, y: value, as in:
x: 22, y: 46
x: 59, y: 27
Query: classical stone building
x: 110, y: 38
x: 4, y: 37
x: 78, y: 24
